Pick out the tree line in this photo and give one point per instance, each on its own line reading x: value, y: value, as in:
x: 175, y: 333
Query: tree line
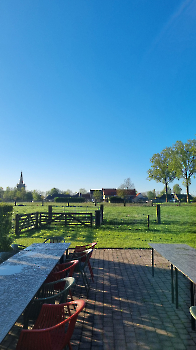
x: 175, y: 162
x: 16, y: 194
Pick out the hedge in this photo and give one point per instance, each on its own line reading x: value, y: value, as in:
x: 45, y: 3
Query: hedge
x: 70, y: 200
x: 5, y: 226
x: 116, y: 199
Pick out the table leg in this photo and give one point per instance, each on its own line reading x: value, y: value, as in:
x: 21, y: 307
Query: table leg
x: 152, y: 262
x: 172, y: 282
x: 176, y: 285
x: 192, y: 304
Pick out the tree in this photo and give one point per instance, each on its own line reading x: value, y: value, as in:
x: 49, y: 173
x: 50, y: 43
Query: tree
x: 164, y: 190
x: 124, y: 187
x: 37, y: 195
x: 177, y: 189
x: 128, y: 184
x: 1, y: 192
x: 160, y: 170
x: 184, y: 162
x: 97, y: 195
x: 68, y: 192
x: 29, y: 196
x: 7, y: 195
x: 82, y: 190
x: 151, y: 195
x: 53, y: 192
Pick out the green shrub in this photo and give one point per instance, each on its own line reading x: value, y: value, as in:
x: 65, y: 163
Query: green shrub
x: 116, y: 199
x: 70, y: 200
x: 5, y: 226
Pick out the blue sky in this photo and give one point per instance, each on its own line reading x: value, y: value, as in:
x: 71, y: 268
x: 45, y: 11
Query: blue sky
x: 91, y: 89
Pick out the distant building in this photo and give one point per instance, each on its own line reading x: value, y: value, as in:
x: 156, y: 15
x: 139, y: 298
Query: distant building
x: 21, y: 183
x: 111, y: 192
x: 139, y: 198
x: 108, y: 192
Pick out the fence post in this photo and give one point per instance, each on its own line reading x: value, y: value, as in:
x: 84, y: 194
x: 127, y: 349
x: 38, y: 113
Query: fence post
x: 50, y: 213
x: 148, y: 220
x: 97, y: 218
x: 36, y: 220
x: 65, y: 219
x: 101, y: 210
x: 158, y: 214
x: 17, y: 224
x: 91, y: 219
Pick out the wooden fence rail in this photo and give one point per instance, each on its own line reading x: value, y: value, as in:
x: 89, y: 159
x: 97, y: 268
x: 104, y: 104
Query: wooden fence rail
x: 26, y: 222
x: 31, y: 221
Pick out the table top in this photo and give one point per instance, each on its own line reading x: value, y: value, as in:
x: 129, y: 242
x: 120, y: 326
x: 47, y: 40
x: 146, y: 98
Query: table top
x: 181, y: 256
x: 20, y: 278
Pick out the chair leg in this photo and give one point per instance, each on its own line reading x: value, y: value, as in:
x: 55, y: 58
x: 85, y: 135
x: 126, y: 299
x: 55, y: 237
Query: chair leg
x: 70, y: 347
x: 85, y: 280
x: 91, y: 271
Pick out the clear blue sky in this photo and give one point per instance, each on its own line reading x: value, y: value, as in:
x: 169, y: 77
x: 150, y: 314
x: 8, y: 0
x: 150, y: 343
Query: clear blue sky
x: 91, y: 89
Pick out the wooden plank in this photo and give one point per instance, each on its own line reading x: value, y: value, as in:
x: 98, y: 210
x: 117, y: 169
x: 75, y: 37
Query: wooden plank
x: 78, y: 220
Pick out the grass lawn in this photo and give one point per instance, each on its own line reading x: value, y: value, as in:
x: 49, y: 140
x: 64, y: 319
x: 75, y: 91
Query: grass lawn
x: 124, y: 227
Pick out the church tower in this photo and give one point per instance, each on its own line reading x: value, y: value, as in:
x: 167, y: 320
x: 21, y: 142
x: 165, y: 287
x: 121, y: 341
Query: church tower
x: 21, y: 184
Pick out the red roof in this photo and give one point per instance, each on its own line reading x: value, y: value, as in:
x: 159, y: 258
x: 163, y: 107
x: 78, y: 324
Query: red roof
x: 109, y: 191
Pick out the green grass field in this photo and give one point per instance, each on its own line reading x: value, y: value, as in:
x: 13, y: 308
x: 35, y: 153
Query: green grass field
x: 124, y: 227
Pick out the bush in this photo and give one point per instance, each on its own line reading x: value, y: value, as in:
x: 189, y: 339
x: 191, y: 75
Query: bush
x: 5, y: 226
x: 70, y: 200
x: 116, y: 199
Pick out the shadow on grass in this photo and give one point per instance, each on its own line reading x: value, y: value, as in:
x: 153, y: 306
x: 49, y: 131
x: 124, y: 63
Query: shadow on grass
x: 70, y: 234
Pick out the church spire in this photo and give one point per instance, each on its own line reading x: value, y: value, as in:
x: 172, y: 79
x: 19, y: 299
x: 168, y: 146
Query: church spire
x: 21, y: 183
x: 21, y: 179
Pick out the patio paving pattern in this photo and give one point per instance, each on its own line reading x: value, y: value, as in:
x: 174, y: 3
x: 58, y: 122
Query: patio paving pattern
x: 127, y: 308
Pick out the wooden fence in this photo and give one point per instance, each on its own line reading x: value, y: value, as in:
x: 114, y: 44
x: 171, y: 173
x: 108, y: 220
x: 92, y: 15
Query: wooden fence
x: 26, y: 222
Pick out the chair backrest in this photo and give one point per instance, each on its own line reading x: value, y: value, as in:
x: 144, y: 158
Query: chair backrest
x: 17, y: 247
x: 193, y: 311
x: 50, y: 328
x: 80, y: 248
x: 48, y: 295
x: 49, y: 290
x: 62, y: 271
x: 83, y: 255
x: 56, y: 239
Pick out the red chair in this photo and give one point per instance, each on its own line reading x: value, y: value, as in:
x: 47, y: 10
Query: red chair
x: 49, y: 332
x: 47, y: 294
x: 61, y: 271
x: 83, y: 258
x: 79, y: 249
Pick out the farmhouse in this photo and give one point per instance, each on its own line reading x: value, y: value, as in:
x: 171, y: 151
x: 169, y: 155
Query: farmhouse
x: 129, y: 194
x: 108, y: 192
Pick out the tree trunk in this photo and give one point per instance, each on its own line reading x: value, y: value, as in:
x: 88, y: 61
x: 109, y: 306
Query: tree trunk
x: 187, y: 189
x: 166, y: 191
x: 187, y: 193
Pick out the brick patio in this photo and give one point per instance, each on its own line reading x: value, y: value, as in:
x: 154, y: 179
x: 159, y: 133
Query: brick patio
x: 127, y: 308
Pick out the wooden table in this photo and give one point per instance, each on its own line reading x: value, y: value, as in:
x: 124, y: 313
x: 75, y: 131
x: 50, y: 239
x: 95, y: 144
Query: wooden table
x: 21, y: 276
x: 183, y: 258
